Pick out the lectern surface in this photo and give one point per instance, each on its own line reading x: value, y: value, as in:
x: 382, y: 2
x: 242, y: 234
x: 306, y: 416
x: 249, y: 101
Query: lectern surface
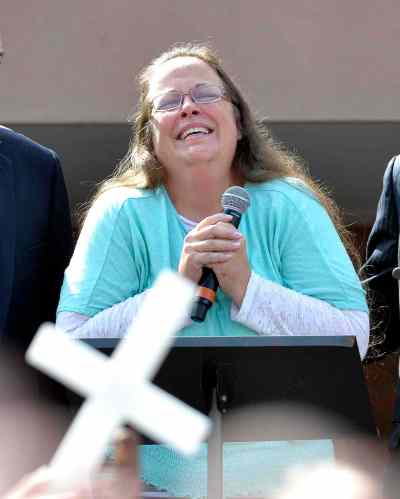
x: 316, y: 372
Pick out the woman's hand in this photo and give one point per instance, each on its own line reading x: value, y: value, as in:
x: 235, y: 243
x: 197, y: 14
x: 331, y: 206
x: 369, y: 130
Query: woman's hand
x: 217, y: 244
x: 234, y: 274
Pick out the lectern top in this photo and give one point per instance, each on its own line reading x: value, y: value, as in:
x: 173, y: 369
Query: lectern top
x: 244, y: 341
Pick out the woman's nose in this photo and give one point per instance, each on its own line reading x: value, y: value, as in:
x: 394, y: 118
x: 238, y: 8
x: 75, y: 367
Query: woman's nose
x: 189, y: 106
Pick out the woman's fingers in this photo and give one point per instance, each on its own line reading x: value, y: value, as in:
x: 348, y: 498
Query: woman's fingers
x: 192, y: 263
x: 206, y: 259
x: 215, y: 236
x: 214, y: 246
x: 216, y: 226
x: 213, y: 219
x: 211, y: 251
x: 214, y: 240
x: 220, y: 230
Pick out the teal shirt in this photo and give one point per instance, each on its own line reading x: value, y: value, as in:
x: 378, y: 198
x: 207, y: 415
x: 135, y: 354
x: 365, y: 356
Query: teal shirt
x: 131, y: 235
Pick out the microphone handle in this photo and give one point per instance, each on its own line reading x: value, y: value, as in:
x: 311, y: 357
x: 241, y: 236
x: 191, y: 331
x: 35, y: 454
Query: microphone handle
x: 206, y: 294
x: 236, y: 216
x: 208, y: 283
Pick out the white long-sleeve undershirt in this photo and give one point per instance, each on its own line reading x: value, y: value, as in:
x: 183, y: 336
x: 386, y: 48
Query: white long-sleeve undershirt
x: 267, y: 308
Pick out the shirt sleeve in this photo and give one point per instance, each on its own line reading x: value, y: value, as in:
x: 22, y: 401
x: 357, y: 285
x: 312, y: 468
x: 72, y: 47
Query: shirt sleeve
x: 271, y: 309
x: 103, y: 270
x: 310, y: 256
x: 112, y: 322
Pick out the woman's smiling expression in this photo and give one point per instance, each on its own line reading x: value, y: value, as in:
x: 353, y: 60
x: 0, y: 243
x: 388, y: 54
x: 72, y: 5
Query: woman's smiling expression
x: 192, y: 134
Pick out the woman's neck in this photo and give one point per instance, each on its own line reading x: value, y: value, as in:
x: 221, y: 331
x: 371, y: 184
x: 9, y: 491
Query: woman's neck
x: 197, y: 198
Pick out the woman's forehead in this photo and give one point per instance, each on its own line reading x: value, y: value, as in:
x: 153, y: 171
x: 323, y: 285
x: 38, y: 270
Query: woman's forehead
x: 181, y: 71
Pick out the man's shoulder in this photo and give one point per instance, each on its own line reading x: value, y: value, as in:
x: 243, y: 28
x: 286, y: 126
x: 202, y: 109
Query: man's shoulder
x: 8, y: 136
x: 396, y: 164
x: 12, y: 141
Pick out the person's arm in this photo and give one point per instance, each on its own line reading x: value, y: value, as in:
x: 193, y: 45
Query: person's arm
x: 382, y: 258
x: 103, y: 271
x: 113, y: 322
x: 383, y: 240
x: 271, y: 309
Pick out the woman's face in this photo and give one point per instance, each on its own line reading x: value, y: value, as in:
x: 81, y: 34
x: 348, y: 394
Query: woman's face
x: 214, y: 144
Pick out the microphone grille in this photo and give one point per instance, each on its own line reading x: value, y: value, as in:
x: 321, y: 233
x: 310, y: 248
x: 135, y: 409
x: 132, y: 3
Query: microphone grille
x: 235, y: 198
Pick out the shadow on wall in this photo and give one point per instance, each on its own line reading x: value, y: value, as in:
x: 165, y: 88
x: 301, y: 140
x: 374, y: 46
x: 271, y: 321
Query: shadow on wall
x: 348, y: 157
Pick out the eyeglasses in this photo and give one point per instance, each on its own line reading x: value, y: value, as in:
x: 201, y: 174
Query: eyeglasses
x: 203, y: 93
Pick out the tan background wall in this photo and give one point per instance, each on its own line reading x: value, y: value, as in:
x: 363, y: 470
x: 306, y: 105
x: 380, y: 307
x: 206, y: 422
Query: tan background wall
x: 74, y: 61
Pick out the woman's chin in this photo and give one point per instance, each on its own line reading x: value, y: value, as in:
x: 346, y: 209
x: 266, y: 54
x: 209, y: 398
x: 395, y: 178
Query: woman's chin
x: 197, y: 154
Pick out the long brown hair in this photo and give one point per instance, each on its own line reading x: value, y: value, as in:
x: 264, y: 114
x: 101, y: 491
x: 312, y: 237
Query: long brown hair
x: 258, y: 156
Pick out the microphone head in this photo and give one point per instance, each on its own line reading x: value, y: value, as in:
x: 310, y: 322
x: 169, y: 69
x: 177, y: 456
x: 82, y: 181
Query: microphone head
x: 235, y: 198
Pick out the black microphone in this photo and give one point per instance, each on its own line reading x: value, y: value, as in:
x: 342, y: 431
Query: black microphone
x: 235, y: 202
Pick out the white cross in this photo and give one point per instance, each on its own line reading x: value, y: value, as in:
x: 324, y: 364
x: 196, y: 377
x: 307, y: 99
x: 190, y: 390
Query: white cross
x: 118, y: 388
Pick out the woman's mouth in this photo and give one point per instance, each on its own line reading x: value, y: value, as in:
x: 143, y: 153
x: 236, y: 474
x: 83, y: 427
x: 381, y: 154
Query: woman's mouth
x: 194, y: 131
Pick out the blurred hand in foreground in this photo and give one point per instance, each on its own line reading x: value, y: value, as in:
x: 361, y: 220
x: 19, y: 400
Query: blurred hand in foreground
x: 117, y: 479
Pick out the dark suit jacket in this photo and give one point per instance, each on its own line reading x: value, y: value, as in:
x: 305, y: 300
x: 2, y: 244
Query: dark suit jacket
x: 382, y: 255
x: 35, y: 236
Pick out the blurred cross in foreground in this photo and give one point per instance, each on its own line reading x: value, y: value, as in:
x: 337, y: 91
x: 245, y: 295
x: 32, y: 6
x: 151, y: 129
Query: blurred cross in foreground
x: 118, y: 388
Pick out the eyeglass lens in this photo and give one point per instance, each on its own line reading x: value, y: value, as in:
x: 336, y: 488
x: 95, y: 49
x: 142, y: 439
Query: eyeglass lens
x: 201, y: 94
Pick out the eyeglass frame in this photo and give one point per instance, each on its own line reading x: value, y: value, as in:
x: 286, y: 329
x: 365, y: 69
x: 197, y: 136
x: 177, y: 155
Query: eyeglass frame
x: 182, y: 95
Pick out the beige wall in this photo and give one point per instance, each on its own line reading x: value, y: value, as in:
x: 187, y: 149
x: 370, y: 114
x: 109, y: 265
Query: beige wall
x: 74, y: 60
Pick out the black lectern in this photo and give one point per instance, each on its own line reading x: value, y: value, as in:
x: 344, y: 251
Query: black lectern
x: 324, y: 373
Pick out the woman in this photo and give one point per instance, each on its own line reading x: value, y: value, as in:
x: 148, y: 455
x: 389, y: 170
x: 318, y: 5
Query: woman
x: 194, y: 136
x: 285, y: 272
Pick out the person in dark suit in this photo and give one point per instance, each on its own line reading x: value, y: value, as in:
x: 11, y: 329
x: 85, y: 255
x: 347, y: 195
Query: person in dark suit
x: 382, y: 260
x: 35, y: 235
x: 35, y: 239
